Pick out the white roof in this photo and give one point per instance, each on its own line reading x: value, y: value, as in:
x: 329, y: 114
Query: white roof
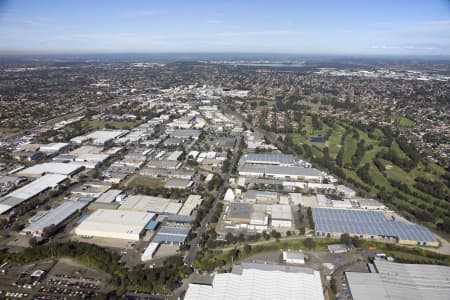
x: 109, y: 196
x: 30, y: 190
x: 149, y: 251
x: 255, y: 283
x: 189, y: 205
x: 145, y: 203
x: 229, y: 195
x: 114, y: 223
x: 401, y: 281
x: 51, y: 167
x: 281, y: 212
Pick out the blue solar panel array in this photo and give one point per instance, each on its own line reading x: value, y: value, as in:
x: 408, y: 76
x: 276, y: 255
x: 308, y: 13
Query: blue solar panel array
x: 371, y: 223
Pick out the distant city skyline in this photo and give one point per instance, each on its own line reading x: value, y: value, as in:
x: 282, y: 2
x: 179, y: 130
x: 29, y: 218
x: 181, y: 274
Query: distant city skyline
x: 298, y: 27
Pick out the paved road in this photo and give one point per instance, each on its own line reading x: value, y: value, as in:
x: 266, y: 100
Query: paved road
x: 190, y: 256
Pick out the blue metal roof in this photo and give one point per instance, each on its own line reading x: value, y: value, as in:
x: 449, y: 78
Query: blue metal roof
x: 152, y: 225
x: 367, y: 223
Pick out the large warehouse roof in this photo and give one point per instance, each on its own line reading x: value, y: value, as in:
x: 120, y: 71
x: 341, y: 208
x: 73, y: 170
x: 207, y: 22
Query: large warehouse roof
x: 401, y: 281
x: 367, y: 223
x: 55, y: 216
x: 111, y: 223
x: 145, y: 203
x: 51, y: 168
x: 269, y: 170
x: 269, y: 158
x: 255, y: 281
x: 30, y: 190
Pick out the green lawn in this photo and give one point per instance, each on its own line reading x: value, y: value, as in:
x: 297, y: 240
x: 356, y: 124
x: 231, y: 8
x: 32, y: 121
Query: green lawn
x: 397, y: 151
x: 349, y: 148
x: 334, y: 141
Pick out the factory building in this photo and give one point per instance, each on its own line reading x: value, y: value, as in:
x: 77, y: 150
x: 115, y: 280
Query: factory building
x: 390, y: 280
x: 260, y: 281
x: 370, y: 225
x: 270, y: 159
x: 280, y: 172
x: 118, y: 224
x: 51, y: 168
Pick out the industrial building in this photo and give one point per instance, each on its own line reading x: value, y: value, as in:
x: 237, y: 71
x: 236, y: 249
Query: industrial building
x: 371, y: 225
x: 191, y: 203
x: 55, y: 216
x: 281, y: 215
x: 260, y: 281
x: 51, y: 168
x: 171, y: 235
x: 263, y: 197
x: 150, y: 251
x: 33, y: 189
x: 178, y: 183
x: 144, y: 203
x: 118, y: 224
x: 100, y: 137
x: 186, y: 134
x: 239, y: 213
x: 280, y: 172
x: 390, y: 280
x: 270, y: 159
x: 164, y: 164
x: 294, y: 257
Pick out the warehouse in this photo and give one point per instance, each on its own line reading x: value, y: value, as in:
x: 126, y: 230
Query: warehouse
x: 260, y: 281
x: 118, y: 224
x: 186, y: 134
x: 54, y: 147
x: 164, y: 164
x: 270, y: 159
x: 370, y: 225
x: 400, y: 281
x: 370, y: 204
x: 51, y: 168
x: 264, y: 197
x: 171, y: 235
x: 108, y: 200
x: 102, y: 137
x: 294, y: 257
x: 34, y: 188
x: 144, y: 203
x: 55, y: 216
x: 150, y: 251
x: 239, y: 213
x: 279, y: 172
x: 191, y: 203
x: 177, y: 183
x: 281, y: 215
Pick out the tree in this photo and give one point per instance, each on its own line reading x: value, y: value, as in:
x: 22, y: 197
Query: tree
x: 345, y: 239
x: 309, y: 243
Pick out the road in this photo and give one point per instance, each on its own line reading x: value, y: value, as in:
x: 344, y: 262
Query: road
x: 190, y: 256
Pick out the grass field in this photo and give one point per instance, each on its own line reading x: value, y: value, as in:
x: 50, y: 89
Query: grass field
x: 8, y: 130
x: 403, y: 121
x: 349, y: 148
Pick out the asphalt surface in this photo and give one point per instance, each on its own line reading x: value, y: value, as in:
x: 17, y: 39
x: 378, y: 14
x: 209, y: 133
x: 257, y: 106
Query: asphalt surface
x: 190, y: 256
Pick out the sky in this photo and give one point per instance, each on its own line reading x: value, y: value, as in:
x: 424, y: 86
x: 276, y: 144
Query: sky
x: 367, y: 27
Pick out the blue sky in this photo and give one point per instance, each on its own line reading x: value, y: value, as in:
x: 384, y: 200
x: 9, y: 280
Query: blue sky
x: 303, y: 27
